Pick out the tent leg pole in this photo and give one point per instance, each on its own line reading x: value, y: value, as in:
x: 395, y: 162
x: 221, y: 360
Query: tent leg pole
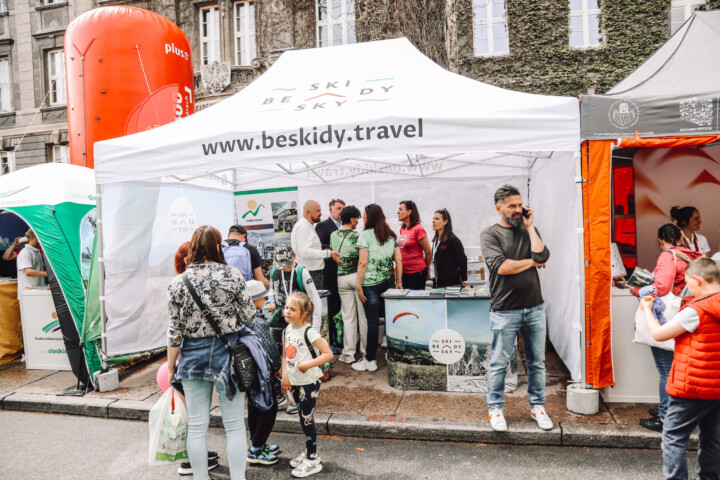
x: 101, y: 275
x: 581, y: 257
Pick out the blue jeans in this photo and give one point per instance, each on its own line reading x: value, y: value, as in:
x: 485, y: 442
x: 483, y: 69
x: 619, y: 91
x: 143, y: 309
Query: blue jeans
x: 663, y: 363
x: 198, y: 394
x: 373, y: 294
x: 683, y: 415
x: 505, y: 327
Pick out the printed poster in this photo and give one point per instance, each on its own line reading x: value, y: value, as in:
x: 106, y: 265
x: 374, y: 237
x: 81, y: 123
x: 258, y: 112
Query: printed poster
x: 268, y: 216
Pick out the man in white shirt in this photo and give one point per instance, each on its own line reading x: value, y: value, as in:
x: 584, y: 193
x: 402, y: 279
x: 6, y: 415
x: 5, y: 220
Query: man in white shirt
x: 30, y: 265
x: 306, y: 243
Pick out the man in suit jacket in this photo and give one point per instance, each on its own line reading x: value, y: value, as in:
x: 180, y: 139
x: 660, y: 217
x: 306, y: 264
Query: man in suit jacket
x: 324, y: 229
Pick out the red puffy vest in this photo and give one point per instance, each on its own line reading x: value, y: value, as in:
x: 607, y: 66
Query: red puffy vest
x: 695, y: 369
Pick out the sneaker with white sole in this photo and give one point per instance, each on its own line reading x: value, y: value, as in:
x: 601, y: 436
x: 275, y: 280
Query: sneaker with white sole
x: 292, y: 409
x: 295, y: 462
x: 497, y: 420
x: 307, y: 467
x: 541, y: 417
x: 186, y: 469
x: 346, y: 359
x: 371, y: 365
x: 360, y: 365
x: 384, y: 342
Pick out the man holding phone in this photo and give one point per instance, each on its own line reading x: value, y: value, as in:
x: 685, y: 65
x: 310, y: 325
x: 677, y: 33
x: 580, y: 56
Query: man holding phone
x: 513, y: 251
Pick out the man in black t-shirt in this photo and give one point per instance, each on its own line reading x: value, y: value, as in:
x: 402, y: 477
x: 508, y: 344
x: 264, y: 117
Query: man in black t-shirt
x: 513, y: 251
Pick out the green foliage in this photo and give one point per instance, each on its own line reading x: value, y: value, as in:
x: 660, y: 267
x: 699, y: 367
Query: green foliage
x: 541, y: 60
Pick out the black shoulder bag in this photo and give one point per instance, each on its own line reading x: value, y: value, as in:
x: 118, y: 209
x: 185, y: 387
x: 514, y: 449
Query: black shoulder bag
x: 243, y: 364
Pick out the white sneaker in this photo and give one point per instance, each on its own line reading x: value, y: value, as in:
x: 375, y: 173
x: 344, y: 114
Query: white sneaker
x: 347, y: 359
x: 541, y: 417
x: 360, y: 366
x: 307, y: 467
x: 384, y: 342
x: 371, y: 366
x: 497, y: 420
x: 295, y: 462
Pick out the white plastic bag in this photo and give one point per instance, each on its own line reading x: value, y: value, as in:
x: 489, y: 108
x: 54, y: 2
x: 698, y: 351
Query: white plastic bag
x: 642, y: 334
x: 168, y: 430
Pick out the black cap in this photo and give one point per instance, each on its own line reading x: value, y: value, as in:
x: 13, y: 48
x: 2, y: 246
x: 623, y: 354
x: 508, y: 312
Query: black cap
x: 238, y: 229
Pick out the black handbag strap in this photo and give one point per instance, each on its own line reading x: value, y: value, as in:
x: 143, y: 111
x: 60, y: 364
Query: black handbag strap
x: 205, y: 312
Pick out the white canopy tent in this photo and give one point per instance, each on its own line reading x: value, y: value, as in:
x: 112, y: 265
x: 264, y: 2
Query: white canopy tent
x: 371, y: 122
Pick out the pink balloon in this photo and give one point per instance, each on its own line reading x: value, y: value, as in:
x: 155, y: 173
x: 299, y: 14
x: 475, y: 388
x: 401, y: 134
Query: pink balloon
x: 162, y: 377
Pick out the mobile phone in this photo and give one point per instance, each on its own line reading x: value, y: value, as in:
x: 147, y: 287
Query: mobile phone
x: 525, y: 212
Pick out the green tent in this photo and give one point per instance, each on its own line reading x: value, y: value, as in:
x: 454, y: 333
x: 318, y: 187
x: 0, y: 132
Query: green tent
x: 58, y: 202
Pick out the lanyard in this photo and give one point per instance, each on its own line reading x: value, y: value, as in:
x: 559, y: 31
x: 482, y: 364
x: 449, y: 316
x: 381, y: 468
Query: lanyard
x: 282, y: 278
x: 432, y: 264
x: 689, y: 243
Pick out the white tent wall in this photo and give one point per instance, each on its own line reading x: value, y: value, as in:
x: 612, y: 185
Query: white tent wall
x: 469, y: 200
x: 553, y: 195
x: 149, y: 222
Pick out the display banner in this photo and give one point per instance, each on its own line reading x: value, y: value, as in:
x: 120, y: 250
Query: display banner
x: 441, y: 344
x: 268, y: 216
x: 149, y: 222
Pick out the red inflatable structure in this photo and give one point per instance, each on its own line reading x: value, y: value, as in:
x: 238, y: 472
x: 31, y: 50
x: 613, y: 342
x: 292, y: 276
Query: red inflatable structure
x: 128, y: 70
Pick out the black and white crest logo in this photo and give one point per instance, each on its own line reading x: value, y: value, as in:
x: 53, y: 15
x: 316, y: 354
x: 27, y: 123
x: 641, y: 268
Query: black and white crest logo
x: 697, y: 110
x: 623, y: 114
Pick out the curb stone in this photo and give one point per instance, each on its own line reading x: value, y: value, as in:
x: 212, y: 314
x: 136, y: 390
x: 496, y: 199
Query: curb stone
x: 614, y: 436
x: 430, y: 429
x: 130, y: 410
x: 35, y: 402
x: 284, y: 423
x: 371, y: 426
x: 2, y: 397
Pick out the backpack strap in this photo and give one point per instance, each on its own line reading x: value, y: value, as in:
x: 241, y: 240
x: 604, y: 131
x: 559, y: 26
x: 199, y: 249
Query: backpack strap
x: 310, y: 346
x: 299, y: 271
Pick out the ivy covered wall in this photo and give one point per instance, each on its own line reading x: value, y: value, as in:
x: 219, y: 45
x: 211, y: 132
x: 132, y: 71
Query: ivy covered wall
x: 421, y: 21
x: 541, y: 60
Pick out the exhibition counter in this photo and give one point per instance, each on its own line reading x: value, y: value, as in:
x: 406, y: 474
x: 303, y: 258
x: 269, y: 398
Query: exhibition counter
x: 439, y: 342
x: 636, y: 378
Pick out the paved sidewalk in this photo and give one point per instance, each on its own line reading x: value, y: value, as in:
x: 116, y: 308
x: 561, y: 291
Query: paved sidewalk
x: 360, y: 404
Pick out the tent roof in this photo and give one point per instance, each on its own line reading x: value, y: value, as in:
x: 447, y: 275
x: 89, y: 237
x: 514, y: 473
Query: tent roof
x: 47, y: 184
x: 674, y: 92
x: 376, y: 101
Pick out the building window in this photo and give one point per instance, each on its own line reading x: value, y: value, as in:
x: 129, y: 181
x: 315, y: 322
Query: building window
x: 7, y: 162
x: 5, y: 96
x: 56, y: 77
x: 3, y: 6
x: 584, y: 23
x: 681, y: 10
x: 244, y: 33
x: 53, y: 2
x: 335, y: 22
x: 58, y: 154
x: 209, y: 35
x: 490, y: 33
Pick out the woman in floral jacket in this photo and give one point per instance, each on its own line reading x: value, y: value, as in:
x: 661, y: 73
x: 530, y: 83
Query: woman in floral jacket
x: 204, y: 360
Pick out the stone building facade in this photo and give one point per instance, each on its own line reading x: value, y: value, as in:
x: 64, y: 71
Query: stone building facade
x: 541, y: 46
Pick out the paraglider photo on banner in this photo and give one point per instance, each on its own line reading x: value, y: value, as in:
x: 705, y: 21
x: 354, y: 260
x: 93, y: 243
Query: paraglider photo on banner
x: 409, y: 325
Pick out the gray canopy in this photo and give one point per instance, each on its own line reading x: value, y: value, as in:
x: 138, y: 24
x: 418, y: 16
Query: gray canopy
x: 676, y: 92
